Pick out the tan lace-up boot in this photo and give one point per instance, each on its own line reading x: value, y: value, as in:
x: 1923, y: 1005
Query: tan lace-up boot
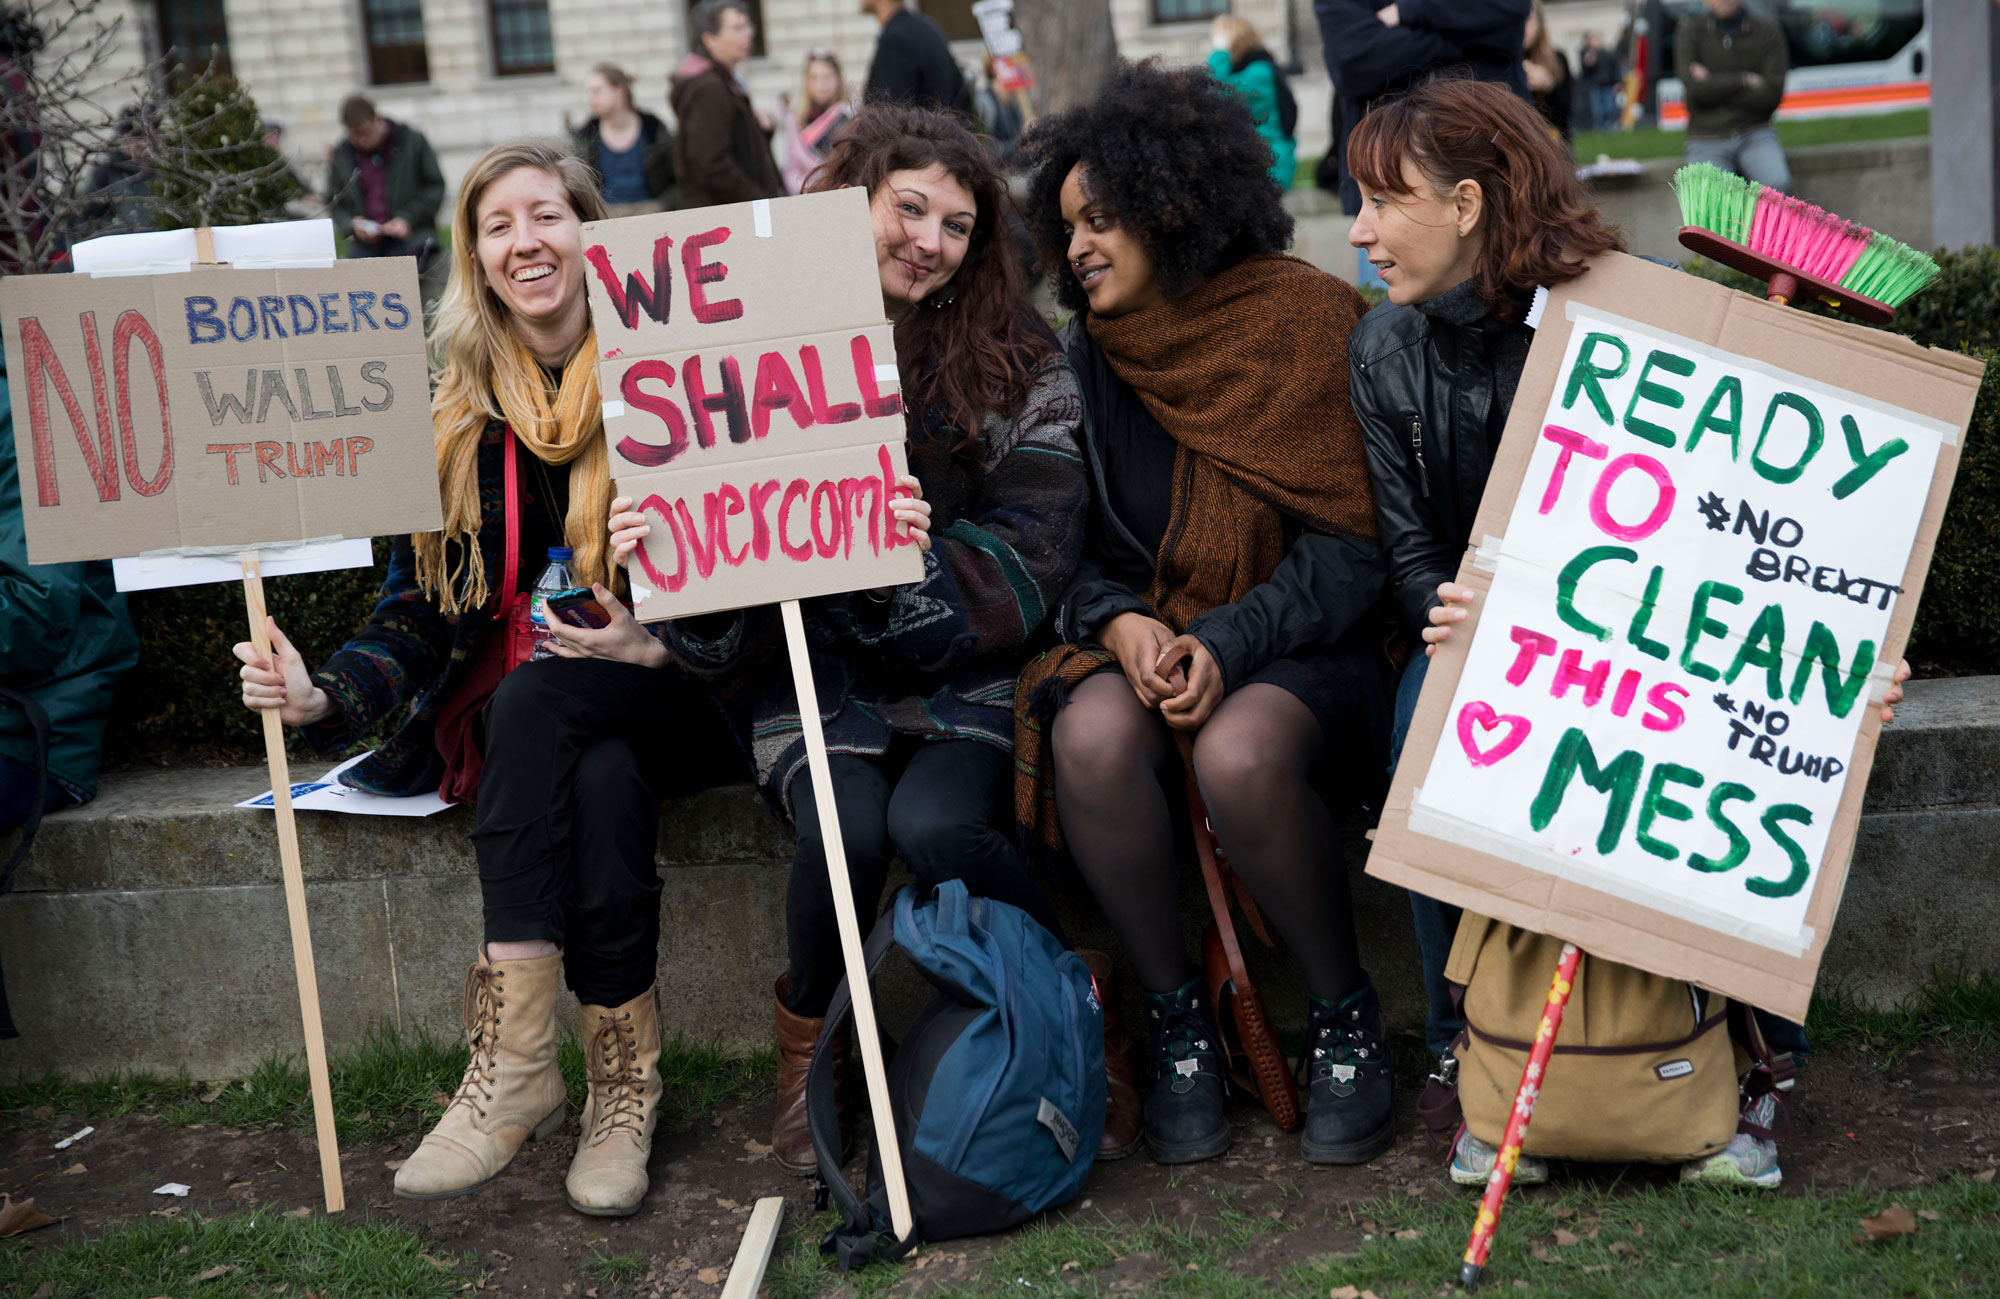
x: 621, y: 1048
x: 512, y: 1090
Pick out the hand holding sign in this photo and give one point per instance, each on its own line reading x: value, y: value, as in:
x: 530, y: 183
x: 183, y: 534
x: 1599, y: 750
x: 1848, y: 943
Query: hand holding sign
x: 283, y: 684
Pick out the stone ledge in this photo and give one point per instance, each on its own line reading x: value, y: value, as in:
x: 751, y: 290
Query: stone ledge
x: 148, y: 929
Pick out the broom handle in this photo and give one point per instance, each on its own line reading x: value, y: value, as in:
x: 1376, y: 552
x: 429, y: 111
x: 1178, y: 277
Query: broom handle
x: 1481, y: 1244
x: 1782, y: 288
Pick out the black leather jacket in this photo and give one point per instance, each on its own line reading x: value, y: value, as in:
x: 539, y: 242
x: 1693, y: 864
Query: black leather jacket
x: 1423, y: 388
x: 1319, y: 591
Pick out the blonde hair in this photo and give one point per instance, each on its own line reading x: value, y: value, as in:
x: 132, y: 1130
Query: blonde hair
x: 1243, y: 37
x: 1543, y: 51
x: 485, y: 374
x: 803, y: 112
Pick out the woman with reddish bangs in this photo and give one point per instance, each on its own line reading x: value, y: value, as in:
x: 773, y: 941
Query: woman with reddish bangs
x: 1467, y: 206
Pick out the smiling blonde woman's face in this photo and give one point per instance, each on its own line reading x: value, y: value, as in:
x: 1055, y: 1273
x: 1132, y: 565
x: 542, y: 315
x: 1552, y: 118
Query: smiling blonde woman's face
x: 530, y: 244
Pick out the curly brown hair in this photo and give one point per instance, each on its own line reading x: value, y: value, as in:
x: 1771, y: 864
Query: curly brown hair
x: 1540, y: 225
x: 974, y: 349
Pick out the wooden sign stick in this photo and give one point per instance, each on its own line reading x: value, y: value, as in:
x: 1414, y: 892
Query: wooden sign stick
x: 295, y: 903
x: 753, y: 1256
x: 886, y: 1144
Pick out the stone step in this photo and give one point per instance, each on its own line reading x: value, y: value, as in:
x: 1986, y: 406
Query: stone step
x: 147, y: 929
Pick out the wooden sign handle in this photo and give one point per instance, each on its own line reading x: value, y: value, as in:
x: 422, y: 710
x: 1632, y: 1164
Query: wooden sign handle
x: 204, y: 246
x: 753, y: 1256
x: 295, y: 904
x: 887, y: 1147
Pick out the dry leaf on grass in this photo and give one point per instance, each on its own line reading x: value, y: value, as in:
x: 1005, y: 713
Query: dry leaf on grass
x: 214, y: 1094
x: 1344, y: 1292
x: 220, y: 1269
x: 73, y: 1170
x: 1930, y: 1215
x: 1409, y: 1233
x: 1624, y: 1247
x: 1984, y: 1175
x: 394, y: 1165
x: 756, y: 1147
x: 1892, y: 1222
x: 301, y: 1212
x: 1567, y: 1238
x: 44, y: 1290
x: 709, y: 1276
x: 1562, y: 1211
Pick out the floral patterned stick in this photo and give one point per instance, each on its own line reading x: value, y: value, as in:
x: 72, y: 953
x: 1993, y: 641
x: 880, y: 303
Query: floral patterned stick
x: 1481, y: 1243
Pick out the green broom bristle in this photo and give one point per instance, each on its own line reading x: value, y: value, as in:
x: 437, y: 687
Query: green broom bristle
x: 1716, y: 200
x: 1889, y: 271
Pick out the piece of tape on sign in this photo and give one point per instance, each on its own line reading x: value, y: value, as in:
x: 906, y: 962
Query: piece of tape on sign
x: 613, y: 409
x: 1479, y: 838
x: 1486, y: 558
x: 760, y: 217
x: 1575, y: 311
x: 888, y: 374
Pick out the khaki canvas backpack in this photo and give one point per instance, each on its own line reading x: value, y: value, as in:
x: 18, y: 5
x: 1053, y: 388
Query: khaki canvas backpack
x: 1645, y: 1068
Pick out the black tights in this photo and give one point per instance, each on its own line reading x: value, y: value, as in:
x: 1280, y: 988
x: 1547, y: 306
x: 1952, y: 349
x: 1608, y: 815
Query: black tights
x: 1254, y: 760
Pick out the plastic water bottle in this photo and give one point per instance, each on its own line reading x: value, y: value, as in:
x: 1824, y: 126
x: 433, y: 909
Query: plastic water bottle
x: 554, y: 580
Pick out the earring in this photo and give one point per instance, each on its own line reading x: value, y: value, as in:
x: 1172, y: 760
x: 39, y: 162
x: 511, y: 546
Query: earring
x: 944, y: 297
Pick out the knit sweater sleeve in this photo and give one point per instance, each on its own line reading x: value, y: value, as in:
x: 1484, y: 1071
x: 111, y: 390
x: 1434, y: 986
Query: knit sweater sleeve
x: 403, y: 647
x: 994, y: 572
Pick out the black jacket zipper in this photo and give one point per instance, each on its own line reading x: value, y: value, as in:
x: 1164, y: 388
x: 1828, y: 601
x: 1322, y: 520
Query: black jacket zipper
x: 1417, y: 449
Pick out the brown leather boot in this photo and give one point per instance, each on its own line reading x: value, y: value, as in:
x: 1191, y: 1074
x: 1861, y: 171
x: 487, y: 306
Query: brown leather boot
x: 791, y: 1133
x: 1124, y: 1130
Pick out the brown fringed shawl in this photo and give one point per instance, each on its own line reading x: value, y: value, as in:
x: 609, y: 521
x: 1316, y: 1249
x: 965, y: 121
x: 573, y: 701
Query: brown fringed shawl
x: 1248, y: 374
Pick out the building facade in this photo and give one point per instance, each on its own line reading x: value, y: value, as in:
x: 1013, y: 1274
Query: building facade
x: 470, y: 73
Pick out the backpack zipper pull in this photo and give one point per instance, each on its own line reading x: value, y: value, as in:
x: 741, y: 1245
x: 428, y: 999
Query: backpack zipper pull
x: 1417, y: 448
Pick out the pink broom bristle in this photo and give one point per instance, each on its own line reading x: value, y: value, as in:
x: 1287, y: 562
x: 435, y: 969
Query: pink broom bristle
x: 1805, y: 237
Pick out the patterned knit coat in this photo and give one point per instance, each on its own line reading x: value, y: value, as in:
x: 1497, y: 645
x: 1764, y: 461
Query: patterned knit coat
x: 938, y: 658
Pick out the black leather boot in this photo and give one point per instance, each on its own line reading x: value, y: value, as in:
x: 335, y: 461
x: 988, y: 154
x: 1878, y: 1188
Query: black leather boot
x: 1350, y: 1080
x: 1183, y: 1113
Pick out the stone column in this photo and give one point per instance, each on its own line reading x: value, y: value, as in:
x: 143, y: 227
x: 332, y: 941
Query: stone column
x: 1965, y: 121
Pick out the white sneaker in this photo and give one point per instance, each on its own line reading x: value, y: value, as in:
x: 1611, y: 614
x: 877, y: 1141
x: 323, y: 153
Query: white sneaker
x: 1472, y: 1163
x: 1746, y: 1160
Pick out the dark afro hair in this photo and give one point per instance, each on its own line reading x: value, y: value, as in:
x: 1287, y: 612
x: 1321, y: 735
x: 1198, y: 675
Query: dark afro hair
x: 1176, y: 158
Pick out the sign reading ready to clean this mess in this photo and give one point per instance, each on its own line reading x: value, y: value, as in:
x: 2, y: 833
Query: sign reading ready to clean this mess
x: 751, y: 401
x: 1697, y: 563
x: 219, y: 407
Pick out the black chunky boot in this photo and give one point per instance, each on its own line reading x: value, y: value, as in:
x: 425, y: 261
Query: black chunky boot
x: 1184, y: 1121
x: 1351, y: 1102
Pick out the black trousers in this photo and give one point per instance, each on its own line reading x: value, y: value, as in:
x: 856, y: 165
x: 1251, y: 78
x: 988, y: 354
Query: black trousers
x: 940, y: 805
x: 577, y: 755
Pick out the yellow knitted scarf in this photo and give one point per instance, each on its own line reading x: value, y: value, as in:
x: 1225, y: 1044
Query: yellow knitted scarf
x: 558, y: 427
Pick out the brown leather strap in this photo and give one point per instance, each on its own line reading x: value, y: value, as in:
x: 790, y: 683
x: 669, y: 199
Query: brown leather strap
x: 1276, y: 1088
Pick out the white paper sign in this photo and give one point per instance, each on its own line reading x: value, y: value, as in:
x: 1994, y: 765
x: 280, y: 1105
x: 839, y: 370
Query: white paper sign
x: 327, y: 794
x: 1682, y: 634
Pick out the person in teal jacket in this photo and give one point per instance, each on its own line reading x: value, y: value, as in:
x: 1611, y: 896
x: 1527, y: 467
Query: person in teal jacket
x: 65, y: 639
x: 1241, y: 62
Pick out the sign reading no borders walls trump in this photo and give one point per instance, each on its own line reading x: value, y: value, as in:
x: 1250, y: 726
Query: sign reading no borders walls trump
x: 219, y: 407
x: 1697, y: 562
x: 751, y: 401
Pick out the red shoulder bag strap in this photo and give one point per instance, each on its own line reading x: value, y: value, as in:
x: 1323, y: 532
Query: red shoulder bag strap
x: 506, y: 599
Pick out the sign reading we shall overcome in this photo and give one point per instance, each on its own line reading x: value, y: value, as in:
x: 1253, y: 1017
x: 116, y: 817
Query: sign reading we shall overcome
x: 219, y: 407
x: 1697, y: 561
x: 751, y: 401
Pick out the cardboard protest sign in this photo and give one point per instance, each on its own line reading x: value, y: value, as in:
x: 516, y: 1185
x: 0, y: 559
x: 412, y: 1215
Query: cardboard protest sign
x: 751, y: 401
x: 219, y: 407
x: 1697, y: 562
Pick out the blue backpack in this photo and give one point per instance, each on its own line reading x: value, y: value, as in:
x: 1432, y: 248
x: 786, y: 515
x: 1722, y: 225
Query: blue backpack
x: 997, y: 1087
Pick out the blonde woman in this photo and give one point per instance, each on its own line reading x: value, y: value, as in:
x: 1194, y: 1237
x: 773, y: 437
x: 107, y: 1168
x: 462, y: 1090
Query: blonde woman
x: 1240, y: 61
x: 1547, y: 69
x: 811, y: 124
x: 560, y: 753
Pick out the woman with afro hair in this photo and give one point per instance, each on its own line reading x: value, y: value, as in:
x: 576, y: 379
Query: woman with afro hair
x: 1228, y: 590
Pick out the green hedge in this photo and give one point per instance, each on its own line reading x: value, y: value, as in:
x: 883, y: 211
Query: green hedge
x: 184, y: 700
x: 1958, y: 623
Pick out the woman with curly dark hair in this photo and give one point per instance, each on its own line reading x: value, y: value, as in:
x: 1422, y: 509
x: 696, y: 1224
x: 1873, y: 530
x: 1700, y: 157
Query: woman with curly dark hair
x: 914, y: 681
x: 1226, y: 591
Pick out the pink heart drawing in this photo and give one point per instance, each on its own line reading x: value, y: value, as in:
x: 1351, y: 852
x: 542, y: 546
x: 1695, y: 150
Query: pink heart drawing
x: 1481, y: 712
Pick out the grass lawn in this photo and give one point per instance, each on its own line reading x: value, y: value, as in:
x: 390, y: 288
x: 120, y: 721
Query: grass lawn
x: 1655, y: 143
x: 259, y: 1254
x: 385, y: 1086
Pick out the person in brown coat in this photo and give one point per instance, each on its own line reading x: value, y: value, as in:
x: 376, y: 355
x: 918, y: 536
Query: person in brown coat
x: 723, y: 152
